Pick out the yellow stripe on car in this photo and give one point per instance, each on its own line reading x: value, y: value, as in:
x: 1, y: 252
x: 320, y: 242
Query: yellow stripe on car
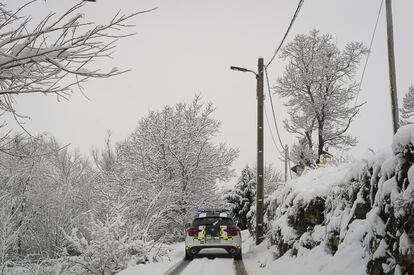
x: 223, y: 234
x: 202, y: 235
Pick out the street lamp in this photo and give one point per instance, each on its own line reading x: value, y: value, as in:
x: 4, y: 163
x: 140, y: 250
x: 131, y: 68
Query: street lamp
x: 260, y: 158
x: 235, y: 68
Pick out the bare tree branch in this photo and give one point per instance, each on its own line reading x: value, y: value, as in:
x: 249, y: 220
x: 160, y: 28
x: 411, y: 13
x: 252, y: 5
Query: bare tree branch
x: 56, y: 55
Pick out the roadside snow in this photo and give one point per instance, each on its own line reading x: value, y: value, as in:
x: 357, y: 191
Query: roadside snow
x: 154, y: 269
x: 319, y: 182
x: 160, y: 268
x: 349, y: 260
x: 403, y: 137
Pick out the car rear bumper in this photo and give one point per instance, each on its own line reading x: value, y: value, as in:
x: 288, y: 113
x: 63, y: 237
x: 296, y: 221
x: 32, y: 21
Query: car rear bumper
x: 207, y: 241
x: 232, y: 249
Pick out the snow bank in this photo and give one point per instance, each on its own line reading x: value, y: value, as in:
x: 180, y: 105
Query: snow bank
x: 403, y: 138
x: 353, y: 218
x: 318, y: 182
x: 160, y: 268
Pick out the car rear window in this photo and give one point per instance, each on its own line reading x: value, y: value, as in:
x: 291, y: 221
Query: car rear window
x: 213, y: 220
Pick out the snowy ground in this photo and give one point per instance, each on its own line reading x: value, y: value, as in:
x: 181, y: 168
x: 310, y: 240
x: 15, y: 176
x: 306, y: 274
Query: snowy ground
x: 176, y: 256
x: 209, y: 266
x: 214, y: 261
x: 258, y: 260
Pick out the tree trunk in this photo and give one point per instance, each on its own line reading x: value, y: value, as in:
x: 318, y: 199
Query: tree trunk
x: 309, y: 139
x: 308, y: 134
x: 19, y: 227
x: 321, y: 141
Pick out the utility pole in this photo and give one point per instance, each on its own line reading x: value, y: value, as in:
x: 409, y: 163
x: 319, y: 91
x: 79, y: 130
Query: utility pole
x: 391, y: 65
x: 260, y: 153
x: 260, y: 157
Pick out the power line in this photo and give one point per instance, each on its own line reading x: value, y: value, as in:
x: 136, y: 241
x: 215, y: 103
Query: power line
x: 284, y: 148
x: 369, y: 51
x: 271, y: 132
x: 287, y: 31
x: 273, y: 110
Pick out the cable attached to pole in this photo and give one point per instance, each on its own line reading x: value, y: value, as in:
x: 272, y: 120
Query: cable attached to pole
x: 287, y: 31
x: 273, y: 110
x: 369, y: 51
x: 271, y: 132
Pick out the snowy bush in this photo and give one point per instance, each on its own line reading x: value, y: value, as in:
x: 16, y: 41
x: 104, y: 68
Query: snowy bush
x: 363, y: 207
x: 108, y: 246
x: 407, y: 110
x: 9, y: 229
x: 241, y: 198
x: 301, y: 154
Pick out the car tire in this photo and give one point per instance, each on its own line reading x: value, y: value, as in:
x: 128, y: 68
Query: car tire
x: 238, y: 256
x: 188, y: 257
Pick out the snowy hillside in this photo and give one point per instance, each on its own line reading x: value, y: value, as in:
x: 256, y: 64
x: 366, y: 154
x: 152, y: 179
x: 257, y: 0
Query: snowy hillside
x: 350, y: 219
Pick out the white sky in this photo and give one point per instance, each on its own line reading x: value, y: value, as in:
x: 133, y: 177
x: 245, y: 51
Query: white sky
x: 187, y: 46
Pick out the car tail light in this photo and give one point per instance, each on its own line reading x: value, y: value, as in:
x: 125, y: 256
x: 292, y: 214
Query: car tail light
x: 232, y: 231
x: 193, y: 231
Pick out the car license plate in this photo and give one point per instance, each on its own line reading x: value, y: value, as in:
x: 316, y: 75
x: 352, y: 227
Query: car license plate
x: 213, y: 240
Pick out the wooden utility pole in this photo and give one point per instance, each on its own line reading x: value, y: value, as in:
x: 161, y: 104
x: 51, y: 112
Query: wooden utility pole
x: 260, y: 152
x: 391, y: 65
x: 260, y: 157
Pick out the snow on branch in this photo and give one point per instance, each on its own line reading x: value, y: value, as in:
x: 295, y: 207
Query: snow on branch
x: 55, y: 55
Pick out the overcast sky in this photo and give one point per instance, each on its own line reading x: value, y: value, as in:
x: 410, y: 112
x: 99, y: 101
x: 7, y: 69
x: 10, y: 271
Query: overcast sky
x: 186, y: 47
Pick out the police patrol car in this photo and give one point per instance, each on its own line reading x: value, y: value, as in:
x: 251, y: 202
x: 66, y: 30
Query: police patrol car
x: 213, y: 228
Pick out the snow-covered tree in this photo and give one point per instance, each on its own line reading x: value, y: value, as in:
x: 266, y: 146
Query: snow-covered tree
x: 46, y: 186
x: 407, y: 111
x: 46, y: 191
x: 16, y: 177
x: 105, y: 160
x: 241, y: 198
x: 60, y: 193
x: 319, y: 88
x: 173, y: 150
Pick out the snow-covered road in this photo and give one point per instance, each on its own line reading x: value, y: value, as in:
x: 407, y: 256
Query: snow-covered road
x: 204, y: 266
x: 207, y: 266
x: 211, y: 261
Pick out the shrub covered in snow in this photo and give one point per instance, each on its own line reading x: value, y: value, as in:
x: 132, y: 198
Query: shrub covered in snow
x: 241, y: 198
x: 407, y: 110
x: 9, y: 229
x: 364, y: 207
x: 108, y: 246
